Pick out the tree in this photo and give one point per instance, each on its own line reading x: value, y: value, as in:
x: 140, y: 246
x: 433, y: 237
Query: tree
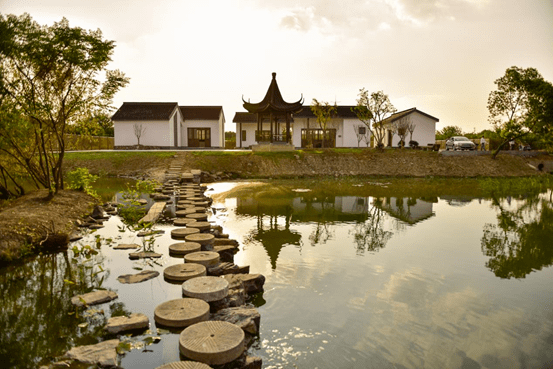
x: 401, y: 128
x: 323, y: 112
x: 49, y: 79
x: 360, y: 131
x: 372, y: 110
x: 94, y: 124
x: 138, y: 131
x: 522, y: 104
x: 411, y: 128
x: 449, y: 131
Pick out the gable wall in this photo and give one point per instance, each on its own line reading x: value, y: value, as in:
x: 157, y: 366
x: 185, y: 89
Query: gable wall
x: 424, y: 133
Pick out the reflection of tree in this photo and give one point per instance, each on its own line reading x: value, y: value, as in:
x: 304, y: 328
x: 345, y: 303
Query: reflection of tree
x: 370, y: 234
x: 521, y: 241
x: 37, y: 320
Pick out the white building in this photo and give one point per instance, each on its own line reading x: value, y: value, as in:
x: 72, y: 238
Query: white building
x: 342, y: 130
x: 168, y: 125
x: 424, y: 127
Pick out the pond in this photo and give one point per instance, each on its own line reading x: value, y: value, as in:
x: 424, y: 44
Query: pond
x: 358, y: 275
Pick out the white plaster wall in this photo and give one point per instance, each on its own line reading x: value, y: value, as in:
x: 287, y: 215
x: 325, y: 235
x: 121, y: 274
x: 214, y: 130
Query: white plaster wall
x: 157, y: 133
x: 216, y: 133
x: 349, y: 135
x: 424, y: 133
x: 300, y: 123
x: 250, y: 129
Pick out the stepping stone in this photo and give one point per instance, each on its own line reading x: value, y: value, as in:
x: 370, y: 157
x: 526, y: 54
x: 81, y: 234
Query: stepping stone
x: 206, y: 288
x: 202, y: 226
x: 144, y: 255
x: 212, y: 342
x: 185, y: 365
x: 181, y: 233
x: 181, y: 312
x: 122, y: 323
x: 186, y: 207
x: 126, y: 246
x: 150, y: 233
x: 94, y: 298
x: 201, y: 238
x: 183, y: 248
x: 137, y: 278
x: 184, y: 202
x: 247, y: 318
x: 197, y: 216
x: 184, y: 272
x: 181, y: 222
x: 95, y: 226
x: 203, y: 204
x: 205, y: 258
x: 196, y: 198
x: 184, y: 213
x: 103, y: 353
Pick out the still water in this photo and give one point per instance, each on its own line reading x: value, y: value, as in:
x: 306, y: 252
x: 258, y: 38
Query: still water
x: 353, y: 280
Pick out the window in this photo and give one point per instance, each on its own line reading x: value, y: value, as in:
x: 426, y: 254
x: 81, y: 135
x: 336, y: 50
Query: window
x: 243, y: 135
x: 362, y: 130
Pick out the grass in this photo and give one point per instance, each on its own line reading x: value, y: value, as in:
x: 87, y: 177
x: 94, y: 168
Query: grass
x: 117, y: 156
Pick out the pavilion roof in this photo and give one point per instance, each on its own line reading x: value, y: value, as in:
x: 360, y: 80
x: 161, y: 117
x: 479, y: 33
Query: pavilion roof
x: 273, y: 102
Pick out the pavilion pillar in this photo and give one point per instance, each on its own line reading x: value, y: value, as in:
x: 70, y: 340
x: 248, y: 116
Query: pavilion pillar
x: 271, y: 122
x: 287, y: 127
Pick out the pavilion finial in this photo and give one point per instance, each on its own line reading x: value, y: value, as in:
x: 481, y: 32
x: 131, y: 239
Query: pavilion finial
x: 274, y: 75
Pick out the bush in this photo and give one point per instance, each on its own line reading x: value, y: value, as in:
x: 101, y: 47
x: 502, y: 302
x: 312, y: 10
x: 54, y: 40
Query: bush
x: 81, y: 179
x: 413, y: 144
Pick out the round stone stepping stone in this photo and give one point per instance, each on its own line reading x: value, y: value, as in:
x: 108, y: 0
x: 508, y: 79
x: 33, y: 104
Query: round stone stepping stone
x: 94, y: 298
x: 212, y: 342
x: 122, y: 323
x: 184, y: 202
x: 184, y: 365
x: 184, y: 213
x: 137, y: 278
x: 206, y: 288
x: 186, y: 207
x: 200, y: 203
x: 196, y: 198
x: 196, y: 216
x: 184, y: 272
x: 201, y: 238
x: 181, y: 233
x: 202, y: 226
x: 181, y: 222
x: 205, y: 258
x: 183, y: 248
x: 181, y: 312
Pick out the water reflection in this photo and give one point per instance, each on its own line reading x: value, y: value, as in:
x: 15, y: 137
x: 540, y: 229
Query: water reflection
x: 520, y: 242
x: 37, y: 320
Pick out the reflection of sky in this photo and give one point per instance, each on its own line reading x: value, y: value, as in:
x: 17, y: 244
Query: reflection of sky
x: 425, y: 300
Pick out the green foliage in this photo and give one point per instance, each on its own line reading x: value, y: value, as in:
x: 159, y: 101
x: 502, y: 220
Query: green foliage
x: 522, y: 104
x: 50, y: 80
x: 448, y: 132
x: 323, y: 112
x: 81, y: 179
x: 94, y: 124
x: 372, y: 109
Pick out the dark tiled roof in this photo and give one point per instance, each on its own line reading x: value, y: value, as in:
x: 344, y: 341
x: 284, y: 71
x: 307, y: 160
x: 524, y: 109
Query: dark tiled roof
x: 144, y: 111
x: 401, y: 114
x: 273, y: 101
x: 241, y: 117
x: 201, y: 112
x: 343, y: 111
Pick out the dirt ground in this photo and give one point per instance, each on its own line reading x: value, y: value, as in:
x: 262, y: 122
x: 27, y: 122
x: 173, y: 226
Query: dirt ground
x: 31, y: 223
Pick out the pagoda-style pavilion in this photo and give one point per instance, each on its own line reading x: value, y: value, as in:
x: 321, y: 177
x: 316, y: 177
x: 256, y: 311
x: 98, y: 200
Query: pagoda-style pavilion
x: 275, y: 110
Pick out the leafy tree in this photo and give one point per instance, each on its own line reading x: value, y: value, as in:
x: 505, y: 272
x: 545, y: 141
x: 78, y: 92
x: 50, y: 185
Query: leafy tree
x: 448, y: 132
x: 522, y: 104
x: 323, y: 112
x: 96, y: 124
x: 49, y: 79
x: 372, y: 110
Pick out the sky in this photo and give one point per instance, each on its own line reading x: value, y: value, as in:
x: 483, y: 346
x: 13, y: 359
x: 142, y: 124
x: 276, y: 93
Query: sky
x: 440, y: 56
